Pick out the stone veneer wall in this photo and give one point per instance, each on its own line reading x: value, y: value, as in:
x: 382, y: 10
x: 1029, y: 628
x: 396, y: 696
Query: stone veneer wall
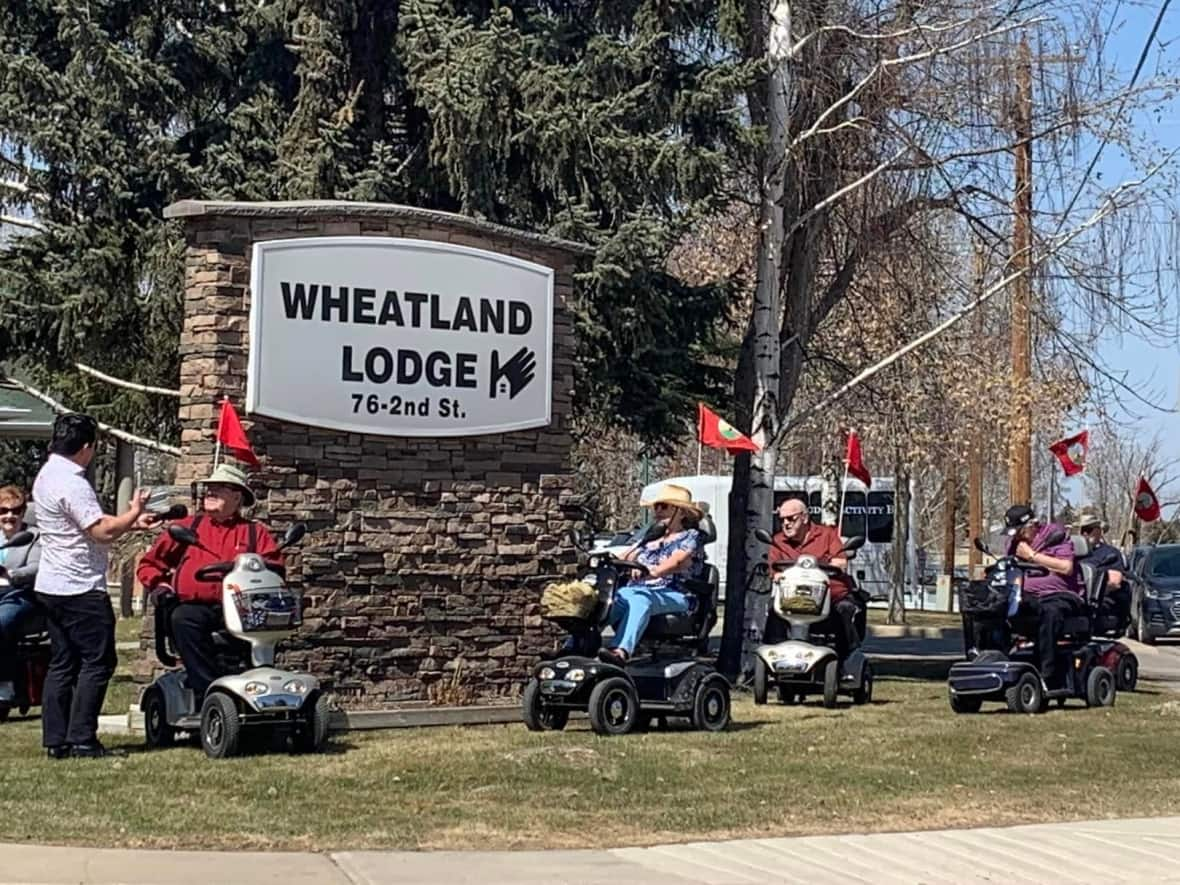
x: 425, y: 559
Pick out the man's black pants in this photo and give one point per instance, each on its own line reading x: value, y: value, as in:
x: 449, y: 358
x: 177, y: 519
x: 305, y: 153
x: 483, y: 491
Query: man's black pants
x: 193, y: 626
x: 1051, y: 613
x: 82, y: 633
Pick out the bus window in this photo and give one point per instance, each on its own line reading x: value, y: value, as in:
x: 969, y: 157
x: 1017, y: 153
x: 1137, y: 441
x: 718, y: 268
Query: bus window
x: 854, y: 514
x: 879, y: 517
x: 815, y: 504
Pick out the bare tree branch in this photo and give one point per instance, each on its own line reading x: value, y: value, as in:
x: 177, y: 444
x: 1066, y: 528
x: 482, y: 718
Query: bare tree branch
x: 130, y: 385
x: 106, y: 428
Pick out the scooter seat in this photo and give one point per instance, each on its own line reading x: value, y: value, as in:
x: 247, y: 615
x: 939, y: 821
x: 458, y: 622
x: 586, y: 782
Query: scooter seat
x: 671, y: 626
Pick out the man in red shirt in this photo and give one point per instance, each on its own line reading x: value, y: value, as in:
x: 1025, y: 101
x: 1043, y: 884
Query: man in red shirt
x: 170, y: 566
x: 800, y: 536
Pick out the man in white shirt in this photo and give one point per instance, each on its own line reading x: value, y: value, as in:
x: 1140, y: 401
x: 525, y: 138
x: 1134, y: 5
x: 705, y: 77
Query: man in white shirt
x: 71, y: 587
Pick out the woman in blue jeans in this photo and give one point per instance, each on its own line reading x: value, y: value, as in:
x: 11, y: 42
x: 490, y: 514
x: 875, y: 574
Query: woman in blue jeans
x: 18, y: 570
x: 670, y: 559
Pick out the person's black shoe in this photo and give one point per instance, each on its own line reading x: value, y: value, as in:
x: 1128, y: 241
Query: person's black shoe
x: 93, y: 751
x: 62, y: 752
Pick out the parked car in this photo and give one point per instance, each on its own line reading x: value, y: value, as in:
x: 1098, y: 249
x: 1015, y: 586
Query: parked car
x: 1155, y: 607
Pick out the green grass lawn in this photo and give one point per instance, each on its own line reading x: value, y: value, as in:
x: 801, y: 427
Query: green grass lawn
x: 919, y: 618
x: 904, y: 762
x: 128, y: 629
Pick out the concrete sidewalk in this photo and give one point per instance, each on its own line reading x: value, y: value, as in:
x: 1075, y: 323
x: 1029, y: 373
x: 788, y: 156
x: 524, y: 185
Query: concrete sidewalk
x: 1095, y: 851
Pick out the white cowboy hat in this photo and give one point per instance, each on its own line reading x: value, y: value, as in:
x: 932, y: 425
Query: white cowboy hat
x: 677, y: 496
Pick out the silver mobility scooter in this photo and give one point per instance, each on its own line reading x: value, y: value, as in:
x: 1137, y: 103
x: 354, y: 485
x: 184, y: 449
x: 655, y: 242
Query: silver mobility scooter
x: 259, y: 610
x: 806, y: 662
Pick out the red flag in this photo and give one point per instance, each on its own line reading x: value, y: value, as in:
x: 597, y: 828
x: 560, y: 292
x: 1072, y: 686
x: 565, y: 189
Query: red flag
x: 1071, y: 452
x: 717, y: 433
x: 231, y: 435
x: 854, y: 460
x: 1147, y: 505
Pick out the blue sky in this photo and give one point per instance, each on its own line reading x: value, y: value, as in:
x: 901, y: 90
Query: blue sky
x: 1152, y: 367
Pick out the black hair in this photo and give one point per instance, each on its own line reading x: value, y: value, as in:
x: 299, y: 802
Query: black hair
x: 72, y: 433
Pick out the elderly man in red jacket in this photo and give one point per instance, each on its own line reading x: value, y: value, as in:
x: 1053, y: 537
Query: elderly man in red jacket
x: 225, y: 533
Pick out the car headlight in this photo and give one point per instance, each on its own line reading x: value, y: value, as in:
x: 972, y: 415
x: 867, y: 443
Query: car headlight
x: 1156, y: 593
x: 547, y: 673
x: 295, y: 686
x: 253, y: 688
x: 577, y: 675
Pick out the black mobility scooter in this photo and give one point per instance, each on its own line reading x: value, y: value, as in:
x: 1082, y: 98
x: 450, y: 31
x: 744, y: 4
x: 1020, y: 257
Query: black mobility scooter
x: 668, y: 676
x: 1002, y: 659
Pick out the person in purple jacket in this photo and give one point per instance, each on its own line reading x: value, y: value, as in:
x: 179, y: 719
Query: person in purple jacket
x: 1053, y: 597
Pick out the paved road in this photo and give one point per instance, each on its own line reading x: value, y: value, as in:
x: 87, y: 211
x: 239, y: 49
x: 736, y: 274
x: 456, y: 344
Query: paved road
x: 1100, y: 852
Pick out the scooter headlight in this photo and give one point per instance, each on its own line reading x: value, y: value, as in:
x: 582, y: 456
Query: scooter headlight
x: 295, y: 686
x: 576, y: 675
x: 547, y: 673
x: 254, y: 565
x: 256, y: 688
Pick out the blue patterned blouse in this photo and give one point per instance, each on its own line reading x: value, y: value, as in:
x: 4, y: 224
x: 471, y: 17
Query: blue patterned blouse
x: 657, y: 551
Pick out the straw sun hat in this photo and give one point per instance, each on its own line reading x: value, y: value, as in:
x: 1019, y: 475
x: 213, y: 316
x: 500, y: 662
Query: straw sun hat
x: 677, y: 496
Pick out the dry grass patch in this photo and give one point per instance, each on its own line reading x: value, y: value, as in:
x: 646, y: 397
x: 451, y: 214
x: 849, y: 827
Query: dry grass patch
x: 905, y: 762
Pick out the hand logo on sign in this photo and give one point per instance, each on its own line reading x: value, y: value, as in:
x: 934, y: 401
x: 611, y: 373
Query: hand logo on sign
x: 515, y: 375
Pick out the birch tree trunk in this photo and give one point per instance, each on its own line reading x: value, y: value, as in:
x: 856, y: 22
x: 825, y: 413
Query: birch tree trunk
x: 763, y: 342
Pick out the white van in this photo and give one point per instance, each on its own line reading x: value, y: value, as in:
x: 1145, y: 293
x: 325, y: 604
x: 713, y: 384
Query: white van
x: 867, y: 512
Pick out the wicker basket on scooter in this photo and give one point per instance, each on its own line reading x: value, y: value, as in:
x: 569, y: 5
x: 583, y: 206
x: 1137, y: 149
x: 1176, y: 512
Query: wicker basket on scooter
x: 568, y: 600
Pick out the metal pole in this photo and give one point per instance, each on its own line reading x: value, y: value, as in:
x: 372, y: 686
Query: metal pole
x: 1020, y: 453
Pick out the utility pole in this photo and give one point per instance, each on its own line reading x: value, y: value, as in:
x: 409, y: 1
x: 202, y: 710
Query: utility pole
x: 975, y: 476
x: 948, y: 548
x: 1020, y: 451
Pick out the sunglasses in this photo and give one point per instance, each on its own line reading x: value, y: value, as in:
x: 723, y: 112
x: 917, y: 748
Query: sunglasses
x: 662, y: 507
x: 15, y: 511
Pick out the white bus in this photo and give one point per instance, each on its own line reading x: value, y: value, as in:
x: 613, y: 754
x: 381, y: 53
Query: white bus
x: 867, y: 512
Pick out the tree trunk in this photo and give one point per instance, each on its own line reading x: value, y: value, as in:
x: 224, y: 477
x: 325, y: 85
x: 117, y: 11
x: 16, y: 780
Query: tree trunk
x: 901, y: 539
x: 752, y: 496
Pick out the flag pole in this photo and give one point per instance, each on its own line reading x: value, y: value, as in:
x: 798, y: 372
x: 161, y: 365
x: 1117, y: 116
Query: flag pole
x: 217, y: 447
x: 843, y: 489
x: 698, y: 454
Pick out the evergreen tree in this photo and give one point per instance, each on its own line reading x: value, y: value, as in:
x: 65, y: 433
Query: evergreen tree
x: 614, y: 123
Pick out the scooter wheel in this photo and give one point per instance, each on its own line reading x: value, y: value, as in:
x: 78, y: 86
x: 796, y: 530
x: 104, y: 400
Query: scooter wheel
x: 710, y: 706
x: 221, y: 729
x: 614, y: 706
x: 314, y: 733
x: 864, y: 694
x: 1026, y: 696
x: 1128, y: 673
x: 538, y: 717
x: 761, y: 680
x: 158, y: 734
x: 960, y: 704
x: 831, y: 682
x: 5, y: 710
x: 789, y: 696
x: 1100, y: 688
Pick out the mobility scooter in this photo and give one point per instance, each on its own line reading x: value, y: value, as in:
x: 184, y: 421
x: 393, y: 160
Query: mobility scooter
x: 259, y: 611
x: 1002, y: 658
x: 806, y: 663
x: 29, y: 654
x: 668, y: 676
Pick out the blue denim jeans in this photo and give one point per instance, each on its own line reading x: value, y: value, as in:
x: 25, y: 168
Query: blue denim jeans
x: 15, y: 606
x: 633, y: 608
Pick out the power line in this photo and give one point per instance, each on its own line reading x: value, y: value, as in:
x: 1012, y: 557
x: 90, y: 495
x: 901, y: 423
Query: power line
x: 1118, y: 114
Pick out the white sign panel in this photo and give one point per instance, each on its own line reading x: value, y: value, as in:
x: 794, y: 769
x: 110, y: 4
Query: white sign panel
x: 399, y: 337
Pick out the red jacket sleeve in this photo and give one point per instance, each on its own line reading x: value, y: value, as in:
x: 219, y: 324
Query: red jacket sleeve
x: 158, y: 563
x: 835, y: 545
x: 267, y: 548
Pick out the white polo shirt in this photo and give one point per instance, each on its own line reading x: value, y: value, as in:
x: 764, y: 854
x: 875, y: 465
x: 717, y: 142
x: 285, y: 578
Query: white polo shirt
x: 72, y: 562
